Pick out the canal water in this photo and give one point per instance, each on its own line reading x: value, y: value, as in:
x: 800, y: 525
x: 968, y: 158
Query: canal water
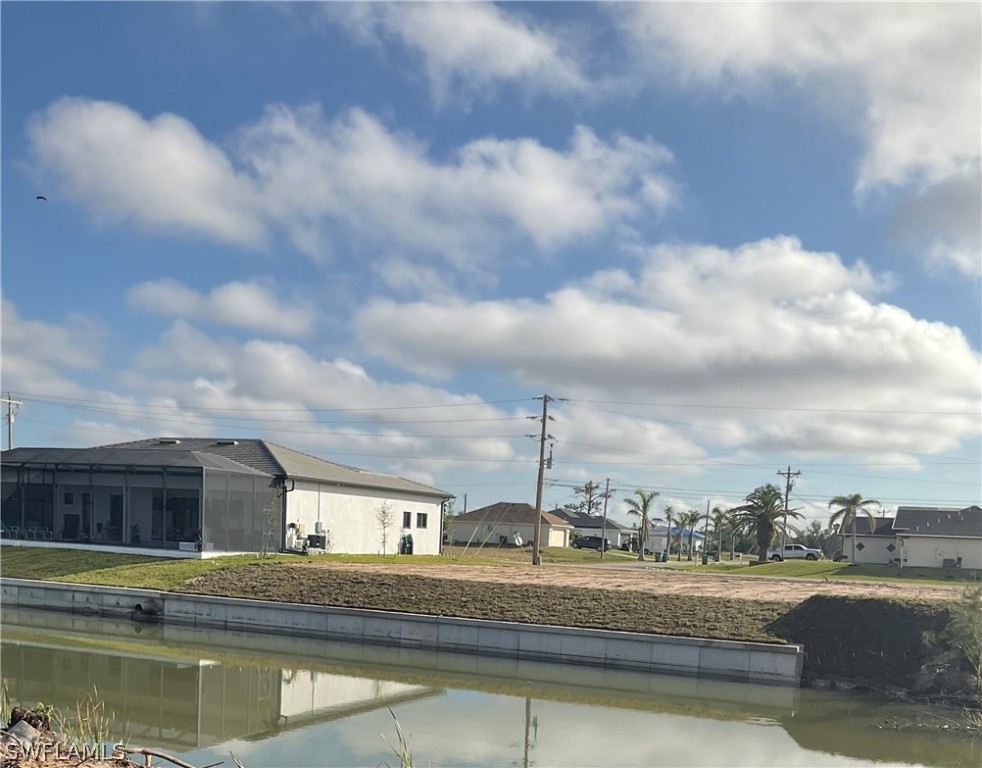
x: 282, y: 701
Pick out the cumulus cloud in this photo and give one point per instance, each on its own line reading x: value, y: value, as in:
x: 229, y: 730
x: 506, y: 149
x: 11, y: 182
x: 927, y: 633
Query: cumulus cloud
x: 919, y: 112
x: 290, y: 394
x: 769, y: 323
x: 42, y: 357
x: 159, y: 173
x: 248, y: 305
x: 318, y: 180
x: 944, y: 221
x: 468, y: 47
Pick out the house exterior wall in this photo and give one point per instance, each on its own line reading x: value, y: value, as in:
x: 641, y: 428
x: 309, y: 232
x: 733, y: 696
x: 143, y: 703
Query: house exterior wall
x: 349, y: 518
x: 932, y: 551
x: 875, y: 549
x: 616, y: 535
x: 477, y: 533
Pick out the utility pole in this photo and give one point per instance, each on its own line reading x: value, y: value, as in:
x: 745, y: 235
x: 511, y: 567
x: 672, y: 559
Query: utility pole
x: 603, y: 537
x: 536, y: 558
x: 705, y: 536
x: 11, y: 410
x: 788, y: 485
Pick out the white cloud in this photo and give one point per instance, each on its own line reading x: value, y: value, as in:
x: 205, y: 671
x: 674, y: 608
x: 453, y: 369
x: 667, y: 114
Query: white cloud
x: 248, y: 305
x: 468, y: 47
x: 160, y: 173
x: 767, y: 324
x: 906, y: 74
x: 290, y: 395
x: 41, y: 357
x: 944, y: 220
x: 349, y: 178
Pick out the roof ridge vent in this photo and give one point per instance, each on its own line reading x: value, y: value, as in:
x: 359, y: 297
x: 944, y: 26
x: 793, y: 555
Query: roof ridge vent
x: 226, y: 442
x: 168, y: 441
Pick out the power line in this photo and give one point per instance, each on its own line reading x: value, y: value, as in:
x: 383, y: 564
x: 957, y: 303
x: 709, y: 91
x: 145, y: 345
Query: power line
x: 778, y: 408
x: 66, y: 400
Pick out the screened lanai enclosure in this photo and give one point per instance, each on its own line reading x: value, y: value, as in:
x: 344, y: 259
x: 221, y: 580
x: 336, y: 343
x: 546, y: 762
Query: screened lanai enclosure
x: 160, y: 499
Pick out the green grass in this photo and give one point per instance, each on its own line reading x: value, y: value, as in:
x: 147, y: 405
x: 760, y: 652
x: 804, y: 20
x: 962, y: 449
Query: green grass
x: 146, y: 572
x: 142, y: 571
x: 816, y: 569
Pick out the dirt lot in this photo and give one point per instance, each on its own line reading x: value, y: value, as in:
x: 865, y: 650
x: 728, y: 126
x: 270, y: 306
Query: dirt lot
x: 630, y: 598
x: 664, y: 581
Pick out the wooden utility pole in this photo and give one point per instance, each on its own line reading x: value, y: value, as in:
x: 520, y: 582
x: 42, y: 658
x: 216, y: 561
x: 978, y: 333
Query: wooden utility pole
x: 536, y: 557
x: 789, y: 484
x: 11, y: 410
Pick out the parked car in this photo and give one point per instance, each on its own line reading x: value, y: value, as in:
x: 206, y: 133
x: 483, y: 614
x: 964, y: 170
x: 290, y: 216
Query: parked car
x: 794, y: 552
x: 592, y: 542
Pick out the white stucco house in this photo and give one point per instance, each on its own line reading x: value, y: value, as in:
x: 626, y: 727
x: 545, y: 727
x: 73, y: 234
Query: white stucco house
x: 935, y: 537
x: 504, y: 522
x: 595, y: 525
x: 876, y: 544
x: 197, y: 497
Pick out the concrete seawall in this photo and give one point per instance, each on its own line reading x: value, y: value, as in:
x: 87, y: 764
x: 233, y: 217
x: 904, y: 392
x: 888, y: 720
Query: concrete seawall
x: 720, y: 659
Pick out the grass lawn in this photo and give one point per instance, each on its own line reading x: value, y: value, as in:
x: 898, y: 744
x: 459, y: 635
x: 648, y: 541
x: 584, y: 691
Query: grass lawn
x: 142, y: 571
x: 817, y: 569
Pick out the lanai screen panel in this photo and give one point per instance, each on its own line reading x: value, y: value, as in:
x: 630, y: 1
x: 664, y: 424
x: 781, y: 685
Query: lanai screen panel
x: 234, y: 511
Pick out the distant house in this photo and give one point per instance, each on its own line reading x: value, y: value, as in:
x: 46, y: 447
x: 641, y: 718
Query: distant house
x: 939, y: 538
x: 593, y: 525
x: 658, y: 538
x: 202, y: 496
x: 878, y: 546
x: 503, y: 522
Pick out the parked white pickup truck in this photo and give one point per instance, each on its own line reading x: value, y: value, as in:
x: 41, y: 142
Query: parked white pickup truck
x: 793, y: 552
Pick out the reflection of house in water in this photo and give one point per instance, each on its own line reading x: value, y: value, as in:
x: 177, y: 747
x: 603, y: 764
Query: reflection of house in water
x: 186, y: 704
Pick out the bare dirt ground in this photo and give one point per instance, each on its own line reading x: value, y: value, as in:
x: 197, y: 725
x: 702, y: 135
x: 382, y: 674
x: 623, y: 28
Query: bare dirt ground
x: 661, y: 581
x: 627, y: 597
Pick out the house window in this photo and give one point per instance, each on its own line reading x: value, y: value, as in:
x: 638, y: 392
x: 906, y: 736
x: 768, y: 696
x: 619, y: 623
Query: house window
x: 421, y: 519
x: 407, y: 519
x: 69, y: 498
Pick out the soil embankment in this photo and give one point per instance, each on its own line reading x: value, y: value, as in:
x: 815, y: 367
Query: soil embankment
x: 879, y: 634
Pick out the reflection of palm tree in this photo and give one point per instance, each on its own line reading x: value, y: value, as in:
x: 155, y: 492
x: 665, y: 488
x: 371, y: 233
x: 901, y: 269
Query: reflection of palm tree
x: 761, y: 516
x: 640, y: 506
x: 849, y: 507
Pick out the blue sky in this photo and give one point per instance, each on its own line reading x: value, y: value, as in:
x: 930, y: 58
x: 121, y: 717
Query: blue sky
x: 733, y: 237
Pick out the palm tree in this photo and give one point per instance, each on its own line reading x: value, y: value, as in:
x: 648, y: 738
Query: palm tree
x: 719, y: 519
x: 689, y: 520
x: 640, y: 506
x: 849, y: 507
x: 761, y: 516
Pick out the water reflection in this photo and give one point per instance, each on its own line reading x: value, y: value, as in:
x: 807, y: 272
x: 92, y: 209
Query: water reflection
x: 286, y: 701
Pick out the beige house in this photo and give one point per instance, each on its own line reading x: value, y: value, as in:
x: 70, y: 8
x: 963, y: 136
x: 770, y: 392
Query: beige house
x: 507, y: 523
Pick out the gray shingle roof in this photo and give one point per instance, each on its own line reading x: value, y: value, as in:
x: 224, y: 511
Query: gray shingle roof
x: 882, y: 526
x: 260, y: 455
x: 578, y: 520
x: 511, y: 513
x: 113, y: 457
x: 936, y: 521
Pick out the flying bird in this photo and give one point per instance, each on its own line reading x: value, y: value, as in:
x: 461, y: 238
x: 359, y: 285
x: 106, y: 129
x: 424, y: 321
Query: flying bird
x: 41, y: 197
